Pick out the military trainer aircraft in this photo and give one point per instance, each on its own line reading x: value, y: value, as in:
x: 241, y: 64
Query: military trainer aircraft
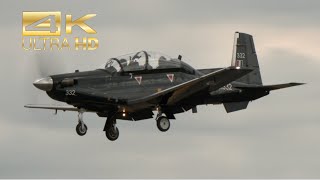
x: 133, y: 86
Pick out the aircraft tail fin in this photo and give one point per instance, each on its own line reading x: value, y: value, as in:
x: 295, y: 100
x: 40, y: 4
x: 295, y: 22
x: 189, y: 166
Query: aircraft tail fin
x: 245, y: 56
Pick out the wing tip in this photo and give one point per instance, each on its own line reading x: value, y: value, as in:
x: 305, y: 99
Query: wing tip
x: 27, y: 106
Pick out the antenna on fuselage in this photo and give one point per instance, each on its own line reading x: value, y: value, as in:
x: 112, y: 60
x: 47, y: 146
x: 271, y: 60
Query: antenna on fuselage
x: 180, y: 57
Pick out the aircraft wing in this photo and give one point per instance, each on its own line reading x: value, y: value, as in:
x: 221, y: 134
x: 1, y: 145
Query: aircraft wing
x: 215, y: 80
x: 53, y: 107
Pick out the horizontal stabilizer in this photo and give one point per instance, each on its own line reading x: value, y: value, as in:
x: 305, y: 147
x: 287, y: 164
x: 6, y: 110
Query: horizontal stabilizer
x: 235, y: 106
x: 271, y: 87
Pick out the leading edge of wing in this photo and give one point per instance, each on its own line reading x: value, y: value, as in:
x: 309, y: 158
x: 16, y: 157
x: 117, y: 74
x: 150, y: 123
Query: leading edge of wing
x: 220, y: 78
x: 53, y: 107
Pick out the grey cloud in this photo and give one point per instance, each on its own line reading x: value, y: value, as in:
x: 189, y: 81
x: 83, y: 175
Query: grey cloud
x: 153, y: 13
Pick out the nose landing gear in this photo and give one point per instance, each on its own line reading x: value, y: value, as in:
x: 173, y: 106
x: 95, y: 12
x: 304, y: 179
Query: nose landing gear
x: 81, y: 128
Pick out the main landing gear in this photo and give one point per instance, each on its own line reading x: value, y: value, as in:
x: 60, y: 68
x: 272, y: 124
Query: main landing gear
x: 110, y: 128
x: 163, y: 122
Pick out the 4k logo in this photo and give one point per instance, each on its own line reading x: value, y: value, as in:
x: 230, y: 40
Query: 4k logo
x: 41, y: 24
x: 46, y: 24
x: 49, y: 24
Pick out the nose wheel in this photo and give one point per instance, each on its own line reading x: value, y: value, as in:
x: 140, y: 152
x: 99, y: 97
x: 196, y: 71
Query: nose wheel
x: 81, y: 128
x: 163, y: 123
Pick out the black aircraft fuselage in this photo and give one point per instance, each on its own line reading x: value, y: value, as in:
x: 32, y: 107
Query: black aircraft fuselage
x: 118, y: 88
x: 133, y: 86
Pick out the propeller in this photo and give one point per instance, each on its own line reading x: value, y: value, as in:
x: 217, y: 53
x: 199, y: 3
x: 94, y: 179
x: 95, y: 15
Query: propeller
x: 45, y: 64
x: 49, y: 63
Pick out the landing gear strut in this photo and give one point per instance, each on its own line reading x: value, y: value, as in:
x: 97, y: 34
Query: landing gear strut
x: 163, y: 122
x: 81, y: 128
x: 110, y: 128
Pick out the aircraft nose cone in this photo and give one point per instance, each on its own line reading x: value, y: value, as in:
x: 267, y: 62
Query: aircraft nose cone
x: 44, y: 84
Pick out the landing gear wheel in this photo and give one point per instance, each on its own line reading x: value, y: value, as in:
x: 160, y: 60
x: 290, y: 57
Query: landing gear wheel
x: 81, y: 131
x: 163, y: 123
x: 112, y: 133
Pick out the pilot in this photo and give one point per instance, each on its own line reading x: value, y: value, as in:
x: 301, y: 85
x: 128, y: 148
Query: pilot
x: 123, y: 62
x: 110, y: 68
x: 133, y: 63
x: 162, y: 62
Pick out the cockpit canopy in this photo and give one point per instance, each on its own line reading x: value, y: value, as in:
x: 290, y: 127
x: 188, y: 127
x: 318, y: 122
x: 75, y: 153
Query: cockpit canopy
x: 144, y: 60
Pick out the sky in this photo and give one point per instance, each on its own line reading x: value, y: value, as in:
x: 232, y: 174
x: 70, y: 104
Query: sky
x: 275, y: 137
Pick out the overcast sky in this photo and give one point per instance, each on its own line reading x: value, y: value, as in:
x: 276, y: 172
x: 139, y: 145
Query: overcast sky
x: 276, y: 137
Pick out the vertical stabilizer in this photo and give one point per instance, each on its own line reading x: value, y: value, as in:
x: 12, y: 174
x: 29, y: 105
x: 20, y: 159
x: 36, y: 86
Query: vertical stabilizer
x: 244, y: 56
